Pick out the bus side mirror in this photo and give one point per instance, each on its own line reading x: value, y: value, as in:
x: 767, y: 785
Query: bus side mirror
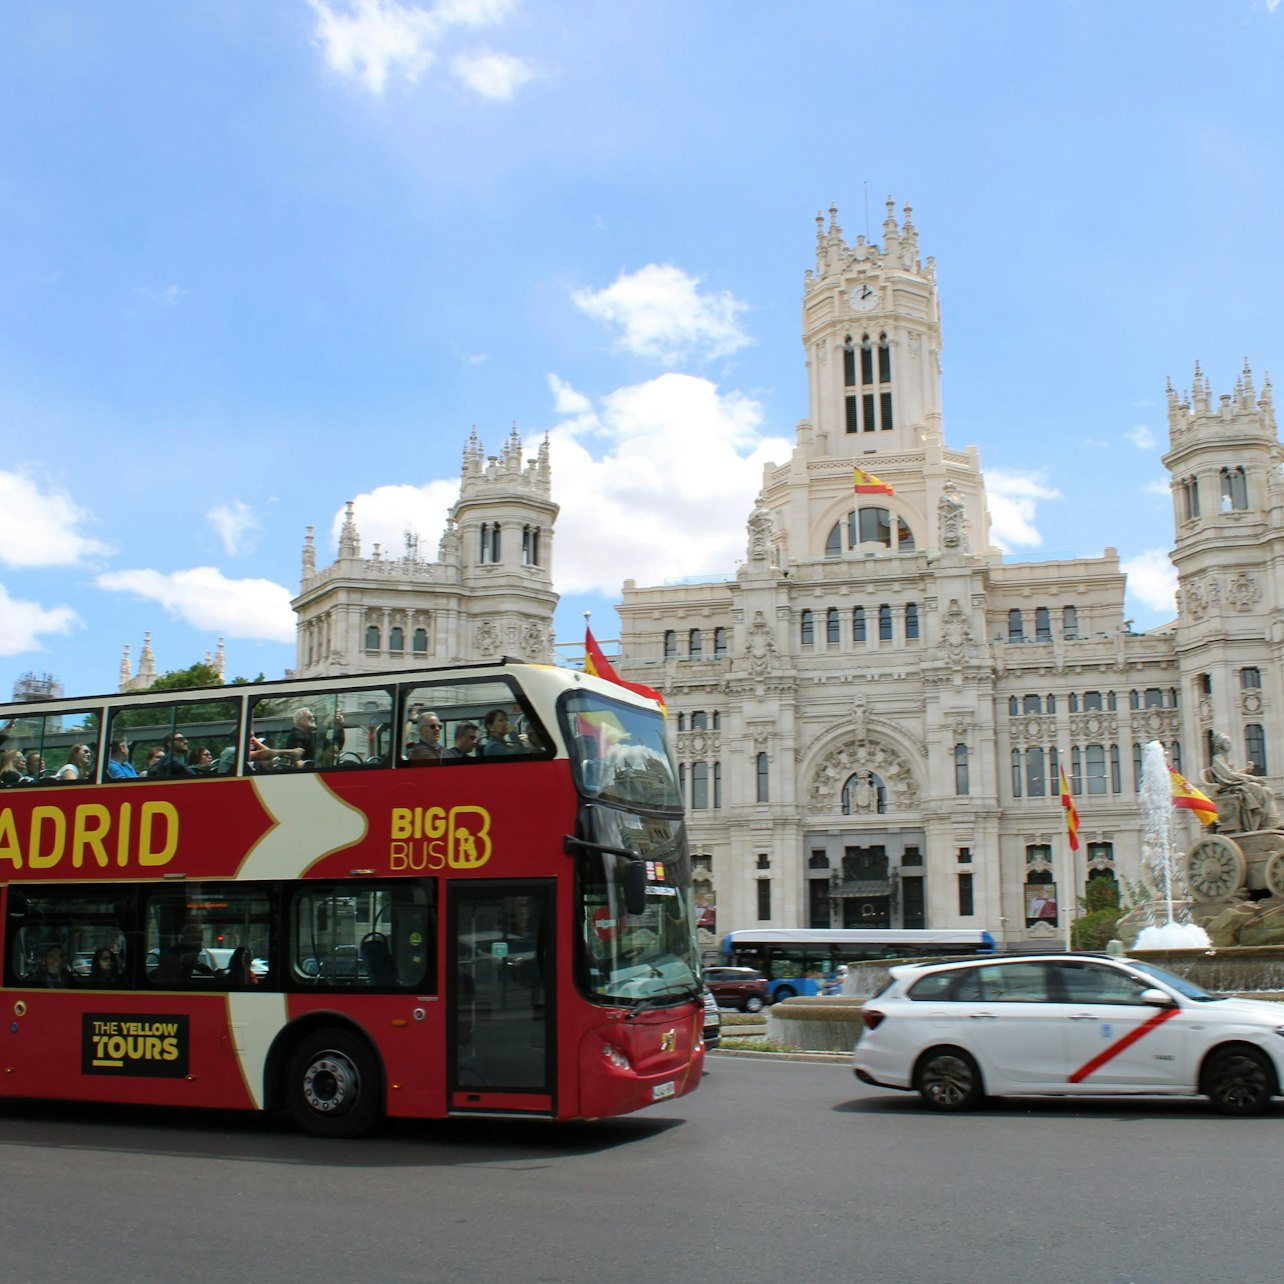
x: 635, y: 887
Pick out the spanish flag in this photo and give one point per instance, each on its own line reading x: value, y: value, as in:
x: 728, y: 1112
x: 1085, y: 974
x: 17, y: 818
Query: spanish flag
x: 1186, y: 795
x: 864, y: 483
x: 600, y: 667
x: 1072, y: 813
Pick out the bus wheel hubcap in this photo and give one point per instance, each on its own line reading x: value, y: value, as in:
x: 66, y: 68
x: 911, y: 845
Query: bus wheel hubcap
x: 330, y: 1083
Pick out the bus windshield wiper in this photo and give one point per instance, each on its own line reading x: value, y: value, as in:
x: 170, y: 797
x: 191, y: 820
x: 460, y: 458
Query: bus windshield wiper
x: 662, y: 1000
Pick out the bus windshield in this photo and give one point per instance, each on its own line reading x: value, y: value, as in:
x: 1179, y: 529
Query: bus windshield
x: 620, y: 753
x: 654, y: 953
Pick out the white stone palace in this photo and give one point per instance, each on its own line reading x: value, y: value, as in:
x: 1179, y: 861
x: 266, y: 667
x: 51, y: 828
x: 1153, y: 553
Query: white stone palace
x: 871, y: 714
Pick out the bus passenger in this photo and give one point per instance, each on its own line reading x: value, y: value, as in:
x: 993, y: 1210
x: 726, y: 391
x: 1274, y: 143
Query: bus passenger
x: 173, y: 759
x: 320, y: 750
x: 118, y: 765
x: 239, y: 972
x: 13, y: 767
x: 499, y: 740
x: 427, y: 749
x: 465, y: 742
x: 105, y: 969
x: 53, y: 967
x: 35, y: 765
x: 154, y: 755
x: 77, y: 765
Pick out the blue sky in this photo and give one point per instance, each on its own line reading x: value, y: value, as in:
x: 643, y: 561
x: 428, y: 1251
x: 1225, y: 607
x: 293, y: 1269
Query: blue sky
x: 258, y: 259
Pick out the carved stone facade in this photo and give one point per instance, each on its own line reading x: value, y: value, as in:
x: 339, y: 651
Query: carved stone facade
x: 896, y: 702
x: 488, y: 594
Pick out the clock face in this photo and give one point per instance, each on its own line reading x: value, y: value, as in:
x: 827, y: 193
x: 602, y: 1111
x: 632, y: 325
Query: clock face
x: 863, y: 298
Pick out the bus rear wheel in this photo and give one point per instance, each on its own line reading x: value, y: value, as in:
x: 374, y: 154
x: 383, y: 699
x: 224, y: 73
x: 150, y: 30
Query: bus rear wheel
x: 332, y: 1084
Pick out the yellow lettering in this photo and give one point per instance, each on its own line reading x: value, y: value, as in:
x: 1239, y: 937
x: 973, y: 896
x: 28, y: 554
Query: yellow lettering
x: 122, y: 834
x: 169, y: 1050
x: 84, y: 835
x: 37, y: 858
x: 9, y: 849
x: 470, y: 845
x: 401, y: 822
x: 434, y: 822
x: 151, y: 813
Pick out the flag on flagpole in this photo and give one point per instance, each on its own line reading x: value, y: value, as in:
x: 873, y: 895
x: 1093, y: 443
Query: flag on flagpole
x: 1072, y: 813
x: 1186, y: 795
x: 600, y: 667
x: 864, y: 483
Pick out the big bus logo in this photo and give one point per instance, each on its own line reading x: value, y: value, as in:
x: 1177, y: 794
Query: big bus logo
x: 439, y: 838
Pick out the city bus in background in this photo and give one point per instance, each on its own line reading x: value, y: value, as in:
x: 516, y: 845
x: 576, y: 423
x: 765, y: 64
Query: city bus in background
x: 799, y: 960
x: 336, y: 915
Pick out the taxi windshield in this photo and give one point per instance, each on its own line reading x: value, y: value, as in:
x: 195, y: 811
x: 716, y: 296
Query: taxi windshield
x: 1188, y: 989
x: 652, y: 954
x: 619, y: 752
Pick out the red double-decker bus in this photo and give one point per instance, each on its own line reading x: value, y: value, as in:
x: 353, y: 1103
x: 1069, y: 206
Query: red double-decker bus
x: 449, y: 892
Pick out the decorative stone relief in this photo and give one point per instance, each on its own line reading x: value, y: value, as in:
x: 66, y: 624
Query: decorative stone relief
x: 952, y: 519
x: 759, y: 535
x: 860, y: 706
x: 1093, y: 726
x: 1243, y: 592
x: 956, y: 634
x: 762, y: 650
x: 486, y: 639
x: 1251, y: 701
x: 859, y: 759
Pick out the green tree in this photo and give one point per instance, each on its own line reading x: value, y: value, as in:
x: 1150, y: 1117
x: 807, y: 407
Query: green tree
x: 199, y: 675
x: 1101, y: 913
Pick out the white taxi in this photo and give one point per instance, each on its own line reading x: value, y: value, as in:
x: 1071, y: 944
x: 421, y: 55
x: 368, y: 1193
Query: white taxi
x: 1067, y: 1025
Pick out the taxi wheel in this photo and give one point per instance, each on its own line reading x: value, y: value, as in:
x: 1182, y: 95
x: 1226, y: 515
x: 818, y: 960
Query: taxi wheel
x: 948, y: 1079
x: 1239, y: 1081
x: 332, y: 1084
x: 753, y: 1003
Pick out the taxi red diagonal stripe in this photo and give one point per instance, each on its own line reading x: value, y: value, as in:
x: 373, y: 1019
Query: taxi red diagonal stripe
x: 1121, y: 1045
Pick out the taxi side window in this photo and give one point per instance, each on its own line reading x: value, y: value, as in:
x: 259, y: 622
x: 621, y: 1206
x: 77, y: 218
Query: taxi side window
x: 1005, y: 983
x: 1089, y: 983
x: 934, y: 988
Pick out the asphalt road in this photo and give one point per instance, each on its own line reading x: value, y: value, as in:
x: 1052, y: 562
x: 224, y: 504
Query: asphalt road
x: 772, y: 1171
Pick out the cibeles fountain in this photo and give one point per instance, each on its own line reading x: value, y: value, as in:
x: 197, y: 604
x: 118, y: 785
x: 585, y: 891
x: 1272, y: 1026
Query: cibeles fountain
x: 1217, y: 907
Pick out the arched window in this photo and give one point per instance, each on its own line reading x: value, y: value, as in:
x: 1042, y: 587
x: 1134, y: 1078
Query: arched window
x: 832, y: 627
x: 764, y: 779
x: 1016, y: 628
x: 1234, y: 490
x: 806, y: 629
x: 699, y: 720
x: 420, y: 642
x: 885, y: 623
x: 867, y: 384
x: 490, y: 542
x: 1042, y: 624
x: 911, y: 620
x: 719, y: 643
x: 1035, y: 780
x: 670, y: 644
x: 858, y: 624
x: 372, y: 637
x: 1070, y: 621
x: 1032, y: 704
x: 849, y: 384
x: 699, y: 786
x: 530, y: 545
x: 885, y: 384
x: 695, y: 645
x: 1250, y: 680
x: 879, y: 526
x: 1255, y: 748
x: 961, y: 782
x: 396, y: 639
x: 1016, y: 773
x: 1190, y: 497
x: 834, y: 541
x: 1095, y: 762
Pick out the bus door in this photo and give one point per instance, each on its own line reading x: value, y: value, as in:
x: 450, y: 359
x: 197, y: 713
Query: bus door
x: 501, y: 996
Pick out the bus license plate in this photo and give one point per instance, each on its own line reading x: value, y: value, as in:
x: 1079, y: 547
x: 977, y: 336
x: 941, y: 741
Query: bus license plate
x: 662, y: 1090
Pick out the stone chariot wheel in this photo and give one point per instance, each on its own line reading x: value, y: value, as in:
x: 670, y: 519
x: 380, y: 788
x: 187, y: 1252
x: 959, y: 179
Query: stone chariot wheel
x: 1215, y: 867
x: 1275, y: 874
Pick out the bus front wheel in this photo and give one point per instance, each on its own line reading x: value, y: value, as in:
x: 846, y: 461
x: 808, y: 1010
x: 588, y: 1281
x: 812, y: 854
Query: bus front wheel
x: 784, y: 992
x: 332, y: 1084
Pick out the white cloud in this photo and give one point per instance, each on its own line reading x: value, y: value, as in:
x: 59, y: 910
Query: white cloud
x: 206, y: 599
x: 493, y: 75
x: 566, y: 401
x: 375, y: 41
x: 1152, y: 579
x: 42, y: 527
x: 21, y: 623
x: 1013, y: 500
x: 1141, y: 437
x: 235, y: 524
x: 660, y: 312
x: 1159, y: 487
x: 385, y: 514
x: 679, y: 467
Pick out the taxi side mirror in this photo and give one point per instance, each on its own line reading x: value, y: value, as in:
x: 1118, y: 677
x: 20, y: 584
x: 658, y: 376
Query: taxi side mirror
x: 1156, y: 998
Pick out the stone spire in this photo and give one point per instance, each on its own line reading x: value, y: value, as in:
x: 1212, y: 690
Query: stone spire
x: 309, y: 554
x: 126, y: 670
x: 349, y: 539
x: 146, y: 663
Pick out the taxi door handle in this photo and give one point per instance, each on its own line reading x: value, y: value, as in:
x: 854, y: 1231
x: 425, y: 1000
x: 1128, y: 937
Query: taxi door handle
x: 1082, y: 1016
x: 982, y: 1016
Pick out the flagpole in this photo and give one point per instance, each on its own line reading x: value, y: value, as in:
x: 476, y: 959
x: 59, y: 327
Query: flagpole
x: 1068, y: 863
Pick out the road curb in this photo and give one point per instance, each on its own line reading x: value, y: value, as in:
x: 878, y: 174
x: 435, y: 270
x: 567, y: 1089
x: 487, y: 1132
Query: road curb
x: 832, y: 1058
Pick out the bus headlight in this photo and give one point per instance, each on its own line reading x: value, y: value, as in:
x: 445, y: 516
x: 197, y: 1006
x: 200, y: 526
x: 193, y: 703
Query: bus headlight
x: 615, y: 1057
